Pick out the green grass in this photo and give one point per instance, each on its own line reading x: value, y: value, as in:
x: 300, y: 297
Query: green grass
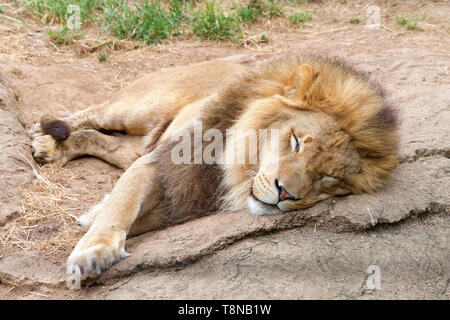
x: 56, y: 10
x: 104, y: 56
x: 298, y: 18
x: 153, y: 22
x: 1, y: 9
x: 410, y: 25
x: 150, y: 21
x: 401, y: 21
x: 413, y: 26
x: 249, y: 13
x: 264, y: 38
x: 211, y: 23
x: 274, y: 8
x: 355, y: 20
x: 17, y: 96
x: 63, y: 36
x: 157, y: 20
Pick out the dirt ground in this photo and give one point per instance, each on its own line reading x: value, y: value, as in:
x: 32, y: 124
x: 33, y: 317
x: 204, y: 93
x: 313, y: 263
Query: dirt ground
x: 319, y: 253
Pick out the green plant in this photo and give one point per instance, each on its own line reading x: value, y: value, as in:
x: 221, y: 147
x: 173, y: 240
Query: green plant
x: 104, y: 56
x: 150, y: 21
x: 298, y: 18
x: 56, y: 10
x: 63, y: 36
x: 401, y: 21
x: 410, y: 25
x: 1, y: 8
x: 249, y: 13
x: 274, y: 8
x: 211, y: 23
x: 264, y: 38
x: 413, y: 26
x: 17, y: 96
x: 154, y: 21
x: 355, y: 20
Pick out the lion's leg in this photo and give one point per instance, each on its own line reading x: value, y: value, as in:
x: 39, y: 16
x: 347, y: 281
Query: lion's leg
x: 133, y: 119
x: 135, y: 194
x: 83, y: 119
x: 144, y: 223
x: 119, y: 150
x: 86, y: 118
x: 112, y: 117
x: 65, y: 139
x: 148, y: 221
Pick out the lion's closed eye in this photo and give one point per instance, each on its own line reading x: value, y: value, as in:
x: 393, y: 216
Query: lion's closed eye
x: 295, y: 143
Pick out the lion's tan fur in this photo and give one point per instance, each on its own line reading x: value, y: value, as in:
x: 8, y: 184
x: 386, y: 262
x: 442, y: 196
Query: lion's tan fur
x: 346, y: 128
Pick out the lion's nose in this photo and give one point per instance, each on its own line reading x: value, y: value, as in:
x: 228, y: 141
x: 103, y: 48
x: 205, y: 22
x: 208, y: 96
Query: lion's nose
x: 282, y: 193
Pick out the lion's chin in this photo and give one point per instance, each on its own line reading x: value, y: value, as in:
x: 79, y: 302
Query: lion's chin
x: 258, y: 208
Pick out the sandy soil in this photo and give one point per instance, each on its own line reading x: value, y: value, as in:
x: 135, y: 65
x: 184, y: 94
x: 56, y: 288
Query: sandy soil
x: 323, y: 252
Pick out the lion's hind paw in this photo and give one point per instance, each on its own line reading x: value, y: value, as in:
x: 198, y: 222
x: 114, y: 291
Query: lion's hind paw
x: 45, y: 149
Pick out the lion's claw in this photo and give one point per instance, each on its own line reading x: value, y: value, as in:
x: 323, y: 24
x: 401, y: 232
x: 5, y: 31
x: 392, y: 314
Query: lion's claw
x: 124, y: 255
x: 74, y: 279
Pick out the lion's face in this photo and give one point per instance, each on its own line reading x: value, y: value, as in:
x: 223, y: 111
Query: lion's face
x: 337, y: 135
x: 314, y: 157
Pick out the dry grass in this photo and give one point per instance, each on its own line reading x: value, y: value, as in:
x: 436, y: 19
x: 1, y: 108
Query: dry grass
x: 45, y: 225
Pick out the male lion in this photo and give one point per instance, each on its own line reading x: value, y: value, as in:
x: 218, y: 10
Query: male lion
x: 336, y: 134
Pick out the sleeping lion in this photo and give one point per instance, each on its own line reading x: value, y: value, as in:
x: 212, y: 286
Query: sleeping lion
x: 334, y: 135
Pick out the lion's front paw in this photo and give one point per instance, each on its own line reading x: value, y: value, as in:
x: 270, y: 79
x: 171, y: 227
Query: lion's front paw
x: 45, y: 149
x: 94, y: 253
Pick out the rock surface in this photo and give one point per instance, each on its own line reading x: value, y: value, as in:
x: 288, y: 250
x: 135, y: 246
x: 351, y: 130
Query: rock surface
x: 15, y: 172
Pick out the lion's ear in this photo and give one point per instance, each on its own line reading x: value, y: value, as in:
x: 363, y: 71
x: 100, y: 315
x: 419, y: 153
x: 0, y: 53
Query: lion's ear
x: 299, y: 82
